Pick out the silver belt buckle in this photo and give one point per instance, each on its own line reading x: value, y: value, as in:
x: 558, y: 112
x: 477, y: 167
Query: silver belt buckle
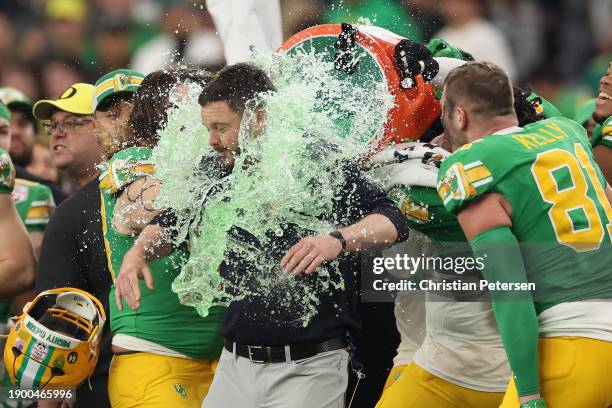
x: 251, y: 354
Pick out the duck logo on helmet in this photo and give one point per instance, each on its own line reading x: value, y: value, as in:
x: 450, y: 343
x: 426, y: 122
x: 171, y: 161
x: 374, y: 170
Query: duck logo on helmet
x: 59, y: 361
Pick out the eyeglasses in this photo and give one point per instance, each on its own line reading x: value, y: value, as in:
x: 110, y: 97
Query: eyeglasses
x: 67, y: 125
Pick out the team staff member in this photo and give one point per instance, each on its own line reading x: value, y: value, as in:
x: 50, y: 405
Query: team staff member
x: 23, y: 138
x: 267, y: 360
x: 537, y: 185
x: 73, y: 144
x: 73, y: 248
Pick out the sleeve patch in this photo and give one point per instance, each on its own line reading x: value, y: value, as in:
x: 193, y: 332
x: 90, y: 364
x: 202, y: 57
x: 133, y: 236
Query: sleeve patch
x: 461, y: 182
x: 415, y: 212
x: 121, y: 173
x: 38, y: 215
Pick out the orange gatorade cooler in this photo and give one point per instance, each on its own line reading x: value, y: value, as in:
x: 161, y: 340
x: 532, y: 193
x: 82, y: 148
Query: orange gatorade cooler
x: 363, y: 54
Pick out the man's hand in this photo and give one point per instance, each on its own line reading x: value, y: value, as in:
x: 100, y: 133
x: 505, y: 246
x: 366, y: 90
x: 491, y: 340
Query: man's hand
x: 308, y: 254
x: 133, y: 268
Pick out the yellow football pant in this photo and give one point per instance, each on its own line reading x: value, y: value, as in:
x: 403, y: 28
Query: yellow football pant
x: 417, y: 388
x: 150, y: 380
x: 575, y: 372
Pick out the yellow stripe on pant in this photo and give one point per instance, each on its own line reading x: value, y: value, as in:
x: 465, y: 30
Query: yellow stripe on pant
x: 151, y: 380
x: 417, y: 388
x: 575, y: 372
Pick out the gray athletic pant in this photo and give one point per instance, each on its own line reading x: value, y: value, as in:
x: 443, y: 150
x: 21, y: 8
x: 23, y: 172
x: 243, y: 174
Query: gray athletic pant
x: 315, y: 382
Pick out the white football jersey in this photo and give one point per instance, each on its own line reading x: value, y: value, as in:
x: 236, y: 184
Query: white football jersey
x: 461, y: 343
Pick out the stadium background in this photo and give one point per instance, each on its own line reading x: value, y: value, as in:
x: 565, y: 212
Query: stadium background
x: 559, y: 48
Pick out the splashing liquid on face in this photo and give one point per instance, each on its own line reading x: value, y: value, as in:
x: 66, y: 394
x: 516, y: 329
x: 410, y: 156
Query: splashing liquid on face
x: 283, y: 184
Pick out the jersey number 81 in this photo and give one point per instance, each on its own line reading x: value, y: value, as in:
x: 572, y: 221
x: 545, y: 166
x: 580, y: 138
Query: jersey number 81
x: 574, y: 197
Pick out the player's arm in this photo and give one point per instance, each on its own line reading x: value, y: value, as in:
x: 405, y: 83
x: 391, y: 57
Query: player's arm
x: 486, y: 223
x: 603, y: 158
x: 133, y: 212
x: 152, y: 243
x: 243, y: 24
x: 309, y: 253
x: 36, y: 222
x: 17, y: 264
x: 134, y: 208
x: 19, y: 301
x: 372, y: 216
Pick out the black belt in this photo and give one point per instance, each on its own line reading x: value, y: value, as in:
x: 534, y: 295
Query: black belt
x: 276, y: 354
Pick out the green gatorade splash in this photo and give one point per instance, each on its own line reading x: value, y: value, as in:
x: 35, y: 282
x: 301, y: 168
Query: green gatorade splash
x: 287, y: 174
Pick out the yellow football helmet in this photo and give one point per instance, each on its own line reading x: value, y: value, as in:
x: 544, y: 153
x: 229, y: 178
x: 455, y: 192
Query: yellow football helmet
x: 55, y: 342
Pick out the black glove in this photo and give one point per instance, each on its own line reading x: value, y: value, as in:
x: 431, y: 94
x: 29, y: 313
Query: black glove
x: 345, y: 59
x: 413, y: 58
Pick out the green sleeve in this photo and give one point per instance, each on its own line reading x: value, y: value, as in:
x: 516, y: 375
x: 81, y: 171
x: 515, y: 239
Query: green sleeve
x: 464, y: 176
x: 514, y: 310
x: 40, y: 209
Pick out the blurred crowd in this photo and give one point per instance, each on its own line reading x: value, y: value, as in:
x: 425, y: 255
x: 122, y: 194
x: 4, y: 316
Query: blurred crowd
x: 559, y: 48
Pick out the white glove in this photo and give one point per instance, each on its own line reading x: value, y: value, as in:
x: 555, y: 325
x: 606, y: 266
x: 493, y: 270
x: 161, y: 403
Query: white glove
x: 411, y: 172
x: 408, y: 164
x: 428, y: 153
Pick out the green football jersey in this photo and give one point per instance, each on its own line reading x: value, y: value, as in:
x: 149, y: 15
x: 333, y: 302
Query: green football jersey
x: 7, y: 173
x: 602, y: 135
x: 34, y: 202
x: 161, y: 318
x: 560, y: 213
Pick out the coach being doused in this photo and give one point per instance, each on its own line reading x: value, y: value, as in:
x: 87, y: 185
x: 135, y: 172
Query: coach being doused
x: 271, y: 357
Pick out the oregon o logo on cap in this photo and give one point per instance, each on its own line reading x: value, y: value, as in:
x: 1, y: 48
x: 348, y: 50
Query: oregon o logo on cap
x: 68, y: 93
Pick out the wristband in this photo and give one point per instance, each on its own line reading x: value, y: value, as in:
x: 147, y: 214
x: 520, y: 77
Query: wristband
x: 338, y: 235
